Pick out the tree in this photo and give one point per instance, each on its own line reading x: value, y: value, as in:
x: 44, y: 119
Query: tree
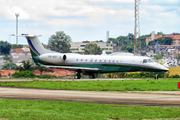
x: 9, y: 66
x: 60, y: 42
x: 125, y: 41
x: 4, y: 47
x: 26, y: 66
x: 130, y: 49
x: 176, y: 33
x: 114, y: 40
x: 7, y: 58
x: 92, y: 49
x: 162, y: 41
x: 157, y: 57
x: 98, y: 41
x: 158, y: 33
x: 130, y: 36
x: 143, y: 40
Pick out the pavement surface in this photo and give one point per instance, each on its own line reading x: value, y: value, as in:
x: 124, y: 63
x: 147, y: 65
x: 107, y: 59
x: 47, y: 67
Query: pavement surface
x: 148, y: 98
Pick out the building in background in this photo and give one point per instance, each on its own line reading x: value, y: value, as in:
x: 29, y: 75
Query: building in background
x: 153, y: 37
x: 176, y: 40
x: 78, y: 47
x: 2, y: 61
x: 20, y: 54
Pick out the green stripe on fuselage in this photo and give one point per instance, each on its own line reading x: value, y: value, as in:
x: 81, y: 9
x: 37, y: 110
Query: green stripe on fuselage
x: 110, y: 68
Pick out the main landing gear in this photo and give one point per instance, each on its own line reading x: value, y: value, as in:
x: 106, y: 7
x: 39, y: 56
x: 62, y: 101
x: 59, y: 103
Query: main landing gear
x: 92, y: 76
x: 78, y: 75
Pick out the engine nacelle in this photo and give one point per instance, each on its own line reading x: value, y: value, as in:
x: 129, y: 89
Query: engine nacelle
x: 54, y: 58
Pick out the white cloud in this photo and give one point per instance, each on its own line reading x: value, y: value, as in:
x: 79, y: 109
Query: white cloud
x: 89, y: 15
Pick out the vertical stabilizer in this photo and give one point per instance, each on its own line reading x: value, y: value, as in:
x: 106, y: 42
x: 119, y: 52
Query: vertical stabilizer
x: 36, y: 46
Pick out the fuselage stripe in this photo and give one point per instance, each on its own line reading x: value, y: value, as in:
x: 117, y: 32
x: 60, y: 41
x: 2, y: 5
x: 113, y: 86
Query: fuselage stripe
x: 32, y: 47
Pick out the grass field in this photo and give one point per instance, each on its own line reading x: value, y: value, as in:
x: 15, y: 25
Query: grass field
x: 61, y: 110
x: 65, y: 110
x: 114, y: 85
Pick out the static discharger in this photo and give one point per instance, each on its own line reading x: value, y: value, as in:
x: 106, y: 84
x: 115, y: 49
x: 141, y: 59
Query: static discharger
x: 178, y: 85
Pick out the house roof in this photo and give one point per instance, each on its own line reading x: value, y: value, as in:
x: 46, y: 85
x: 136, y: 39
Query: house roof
x: 155, y: 37
x: 56, y: 72
x: 6, y: 73
x: 170, y: 35
x: 20, y: 50
x: 176, y: 37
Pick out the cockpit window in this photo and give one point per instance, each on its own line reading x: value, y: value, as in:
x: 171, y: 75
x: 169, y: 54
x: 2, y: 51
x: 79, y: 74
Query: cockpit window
x: 150, y: 60
x: 145, y: 61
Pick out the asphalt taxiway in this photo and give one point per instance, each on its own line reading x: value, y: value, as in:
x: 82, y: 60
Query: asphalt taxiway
x: 149, y: 98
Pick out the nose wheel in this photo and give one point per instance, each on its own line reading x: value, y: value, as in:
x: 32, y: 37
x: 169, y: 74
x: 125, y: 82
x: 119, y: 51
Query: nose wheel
x: 156, y: 76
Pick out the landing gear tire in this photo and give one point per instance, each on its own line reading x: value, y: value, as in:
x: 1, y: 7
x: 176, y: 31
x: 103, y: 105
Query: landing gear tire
x: 78, y: 75
x: 92, y: 76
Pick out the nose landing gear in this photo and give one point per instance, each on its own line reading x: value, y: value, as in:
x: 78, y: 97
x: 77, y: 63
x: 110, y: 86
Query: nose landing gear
x: 156, y: 76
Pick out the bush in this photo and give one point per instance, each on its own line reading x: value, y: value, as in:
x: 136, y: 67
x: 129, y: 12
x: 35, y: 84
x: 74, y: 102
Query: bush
x: 157, y: 57
x: 46, y: 76
x: 174, y: 76
x: 24, y: 74
x: 135, y: 75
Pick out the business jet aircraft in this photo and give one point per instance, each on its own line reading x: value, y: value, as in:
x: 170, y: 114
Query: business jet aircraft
x: 91, y: 65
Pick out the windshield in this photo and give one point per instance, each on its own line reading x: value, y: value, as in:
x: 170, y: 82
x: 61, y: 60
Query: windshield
x: 148, y: 60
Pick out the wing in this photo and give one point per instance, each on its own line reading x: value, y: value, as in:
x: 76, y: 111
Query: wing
x: 84, y: 69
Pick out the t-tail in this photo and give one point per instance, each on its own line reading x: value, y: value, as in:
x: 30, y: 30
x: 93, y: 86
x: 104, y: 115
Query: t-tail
x: 36, y: 47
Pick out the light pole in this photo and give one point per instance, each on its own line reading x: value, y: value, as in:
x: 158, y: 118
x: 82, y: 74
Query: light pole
x: 10, y: 50
x: 17, y: 15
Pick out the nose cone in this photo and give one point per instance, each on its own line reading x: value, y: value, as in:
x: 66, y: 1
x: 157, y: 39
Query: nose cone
x: 163, y: 68
x: 166, y: 69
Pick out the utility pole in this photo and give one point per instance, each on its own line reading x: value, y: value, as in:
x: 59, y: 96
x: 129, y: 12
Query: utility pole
x: 17, y: 15
x: 137, y: 40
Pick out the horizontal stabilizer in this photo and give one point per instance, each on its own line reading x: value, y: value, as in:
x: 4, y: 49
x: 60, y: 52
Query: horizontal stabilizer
x: 26, y: 35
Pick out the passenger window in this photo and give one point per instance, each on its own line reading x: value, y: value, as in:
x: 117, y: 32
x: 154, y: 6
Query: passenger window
x: 104, y: 60
x: 81, y: 59
x: 144, y: 61
x: 76, y: 59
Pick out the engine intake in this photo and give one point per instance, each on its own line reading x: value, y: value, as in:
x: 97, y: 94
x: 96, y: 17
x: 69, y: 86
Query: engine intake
x: 64, y: 58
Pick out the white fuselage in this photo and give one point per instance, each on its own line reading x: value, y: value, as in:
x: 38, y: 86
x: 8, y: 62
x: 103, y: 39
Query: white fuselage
x: 73, y: 59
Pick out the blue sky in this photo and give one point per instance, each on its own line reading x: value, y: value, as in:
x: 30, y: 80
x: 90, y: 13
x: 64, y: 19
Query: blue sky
x: 86, y: 19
